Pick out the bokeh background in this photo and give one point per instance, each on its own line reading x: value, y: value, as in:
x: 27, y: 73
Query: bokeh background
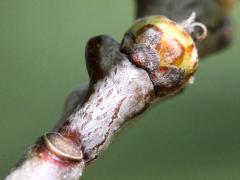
x: 194, y: 136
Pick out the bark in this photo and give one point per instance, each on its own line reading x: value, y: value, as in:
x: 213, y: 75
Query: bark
x: 117, y: 92
x: 123, y: 92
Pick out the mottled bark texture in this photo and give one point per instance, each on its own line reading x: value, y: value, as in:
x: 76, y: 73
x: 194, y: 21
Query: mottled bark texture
x: 118, y: 91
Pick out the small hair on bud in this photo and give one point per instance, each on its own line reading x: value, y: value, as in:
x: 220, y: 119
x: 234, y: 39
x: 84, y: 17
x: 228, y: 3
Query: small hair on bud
x: 191, y: 26
x: 191, y: 80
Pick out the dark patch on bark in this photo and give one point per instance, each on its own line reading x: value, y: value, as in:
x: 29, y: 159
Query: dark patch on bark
x: 93, y: 57
x: 99, y: 101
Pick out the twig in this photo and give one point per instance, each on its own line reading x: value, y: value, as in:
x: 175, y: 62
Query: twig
x: 117, y: 92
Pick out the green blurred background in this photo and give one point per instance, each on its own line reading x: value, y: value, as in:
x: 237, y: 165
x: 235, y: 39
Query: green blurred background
x: 194, y: 136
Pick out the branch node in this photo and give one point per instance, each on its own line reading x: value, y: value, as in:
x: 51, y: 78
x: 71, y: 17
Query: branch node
x: 63, y: 147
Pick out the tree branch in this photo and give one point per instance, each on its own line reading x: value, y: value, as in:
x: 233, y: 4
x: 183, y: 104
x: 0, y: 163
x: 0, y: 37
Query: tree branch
x: 118, y: 91
x: 124, y: 91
